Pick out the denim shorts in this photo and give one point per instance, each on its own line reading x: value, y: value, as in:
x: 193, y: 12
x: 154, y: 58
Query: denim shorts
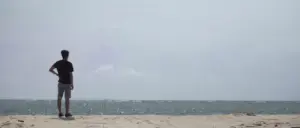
x: 64, y: 89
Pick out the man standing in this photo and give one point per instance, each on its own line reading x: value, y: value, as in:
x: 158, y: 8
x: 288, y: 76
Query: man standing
x: 65, y: 83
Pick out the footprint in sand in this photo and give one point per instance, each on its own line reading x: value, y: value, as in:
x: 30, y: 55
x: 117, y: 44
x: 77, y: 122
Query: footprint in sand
x: 9, y: 124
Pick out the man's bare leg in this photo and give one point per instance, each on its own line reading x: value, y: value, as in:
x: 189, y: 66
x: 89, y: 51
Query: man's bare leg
x: 59, y: 98
x: 59, y: 107
x: 67, y: 103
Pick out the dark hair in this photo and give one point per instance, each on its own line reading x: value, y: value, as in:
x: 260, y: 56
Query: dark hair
x: 64, y: 54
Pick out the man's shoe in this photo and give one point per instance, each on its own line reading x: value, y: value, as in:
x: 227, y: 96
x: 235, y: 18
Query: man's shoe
x: 68, y: 115
x: 60, y: 115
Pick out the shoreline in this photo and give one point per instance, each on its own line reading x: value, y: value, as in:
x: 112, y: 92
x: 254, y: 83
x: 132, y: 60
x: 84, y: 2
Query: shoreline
x: 164, y: 100
x: 294, y: 115
x: 236, y: 114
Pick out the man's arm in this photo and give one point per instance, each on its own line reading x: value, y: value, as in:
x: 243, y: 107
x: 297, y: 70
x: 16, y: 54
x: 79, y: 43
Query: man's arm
x: 71, y: 75
x: 71, y: 79
x: 52, y: 70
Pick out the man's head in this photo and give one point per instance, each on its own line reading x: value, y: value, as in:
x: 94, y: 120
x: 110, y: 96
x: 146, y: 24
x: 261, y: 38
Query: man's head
x: 65, y: 54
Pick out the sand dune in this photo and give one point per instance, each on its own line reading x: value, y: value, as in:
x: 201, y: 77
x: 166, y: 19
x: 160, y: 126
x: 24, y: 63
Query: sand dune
x: 152, y: 121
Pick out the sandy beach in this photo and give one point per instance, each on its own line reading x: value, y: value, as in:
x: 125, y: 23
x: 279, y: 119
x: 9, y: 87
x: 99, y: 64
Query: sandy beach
x: 152, y: 121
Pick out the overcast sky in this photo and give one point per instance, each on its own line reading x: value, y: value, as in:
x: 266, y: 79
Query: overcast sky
x: 153, y: 49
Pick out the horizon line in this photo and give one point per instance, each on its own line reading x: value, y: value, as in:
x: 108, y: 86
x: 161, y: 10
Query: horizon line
x: 95, y: 99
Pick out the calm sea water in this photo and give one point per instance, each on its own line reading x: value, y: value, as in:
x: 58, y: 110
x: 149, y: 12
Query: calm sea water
x: 111, y: 107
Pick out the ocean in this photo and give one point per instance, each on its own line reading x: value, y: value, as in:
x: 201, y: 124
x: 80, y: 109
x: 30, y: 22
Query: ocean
x: 115, y: 107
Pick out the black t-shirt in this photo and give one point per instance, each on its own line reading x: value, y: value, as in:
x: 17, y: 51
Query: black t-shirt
x: 64, y: 68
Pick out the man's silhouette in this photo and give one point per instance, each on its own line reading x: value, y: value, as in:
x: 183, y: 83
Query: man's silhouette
x: 65, y: 83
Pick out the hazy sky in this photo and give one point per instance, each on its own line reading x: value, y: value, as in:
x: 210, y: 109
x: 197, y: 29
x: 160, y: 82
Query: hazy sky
x: 153, y: 49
